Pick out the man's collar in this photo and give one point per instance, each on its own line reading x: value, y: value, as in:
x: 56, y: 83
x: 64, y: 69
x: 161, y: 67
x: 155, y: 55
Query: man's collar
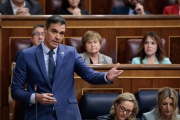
x: 14, y: 6
x: 46, y: 49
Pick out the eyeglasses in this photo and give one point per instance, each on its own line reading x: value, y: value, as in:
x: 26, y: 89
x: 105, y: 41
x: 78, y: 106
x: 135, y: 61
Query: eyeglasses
x: 37, y: 33
x: 122, y: 109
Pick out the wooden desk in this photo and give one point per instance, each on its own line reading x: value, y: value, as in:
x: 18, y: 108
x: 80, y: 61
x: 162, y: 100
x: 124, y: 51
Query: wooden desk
x: 135, y: 77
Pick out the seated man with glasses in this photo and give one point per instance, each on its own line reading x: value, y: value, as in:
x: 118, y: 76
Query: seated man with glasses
x: 37, y: 35
x: 125, y: 107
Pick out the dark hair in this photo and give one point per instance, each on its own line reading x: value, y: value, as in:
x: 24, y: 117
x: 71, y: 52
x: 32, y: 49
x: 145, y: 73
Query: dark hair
x: 159, y: 53
x: 55, y: 19
x: 65, y: 4
x: 176, y: 1
x: 38, y: 25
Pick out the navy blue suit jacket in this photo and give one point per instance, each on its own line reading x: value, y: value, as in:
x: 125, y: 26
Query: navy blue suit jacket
x: 33, y: 6
x: 122, y: 11
x: 30, y: 68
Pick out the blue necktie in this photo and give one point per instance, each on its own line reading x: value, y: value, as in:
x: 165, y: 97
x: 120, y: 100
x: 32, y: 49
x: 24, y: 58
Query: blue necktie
x: 51, y: 67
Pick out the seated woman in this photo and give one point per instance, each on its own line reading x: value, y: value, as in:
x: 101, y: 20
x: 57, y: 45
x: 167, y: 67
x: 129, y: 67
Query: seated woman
x: 92, y: 42
x: 125, y: 107
x: 174, y: 9
x: 72, y: 7
x: 167, y: 106
x: 151, y: 51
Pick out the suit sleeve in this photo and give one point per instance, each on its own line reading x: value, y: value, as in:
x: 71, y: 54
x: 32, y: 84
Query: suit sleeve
x: 113, y: 12
x: 166, y: 61
x: 86, y: 72
x: 39, y: 12
x: 164, y: 11
x: 133, y: 61
x: 144, y: 117
x: 18, y: 91
x: 16, y: 56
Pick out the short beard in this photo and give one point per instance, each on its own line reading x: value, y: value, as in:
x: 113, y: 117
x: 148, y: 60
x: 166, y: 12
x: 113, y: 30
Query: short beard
x: 131, y: 6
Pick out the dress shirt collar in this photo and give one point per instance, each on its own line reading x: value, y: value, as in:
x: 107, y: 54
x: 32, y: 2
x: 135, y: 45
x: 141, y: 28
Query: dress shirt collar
x: 14, y: 7
x: 46, y: 49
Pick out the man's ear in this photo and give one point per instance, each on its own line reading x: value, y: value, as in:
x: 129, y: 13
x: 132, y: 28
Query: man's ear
x: 32, y: 38
x: 45, y: 28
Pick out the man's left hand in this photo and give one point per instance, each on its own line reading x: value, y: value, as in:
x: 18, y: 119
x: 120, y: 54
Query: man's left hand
x: 114, y: 73
x: 140, y: 9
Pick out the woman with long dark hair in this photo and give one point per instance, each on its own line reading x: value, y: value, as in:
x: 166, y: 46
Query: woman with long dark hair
x: 72, y: 7
x: 151, y: 51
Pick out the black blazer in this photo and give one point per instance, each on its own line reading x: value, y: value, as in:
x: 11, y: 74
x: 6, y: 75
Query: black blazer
x: 34, y: 8
x: 66, y: 12
x: 123, y: 10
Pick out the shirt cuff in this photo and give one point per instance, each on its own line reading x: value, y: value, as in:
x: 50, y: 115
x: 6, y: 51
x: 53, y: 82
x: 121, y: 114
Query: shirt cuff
x: 105, y: 78
x: 32, y: 99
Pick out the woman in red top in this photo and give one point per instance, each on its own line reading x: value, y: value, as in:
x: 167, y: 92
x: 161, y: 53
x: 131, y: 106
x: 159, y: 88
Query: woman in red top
x: 174, y: 9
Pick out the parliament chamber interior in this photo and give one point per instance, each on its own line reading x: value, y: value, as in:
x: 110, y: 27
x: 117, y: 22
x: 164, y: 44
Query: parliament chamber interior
x: 121, y: 35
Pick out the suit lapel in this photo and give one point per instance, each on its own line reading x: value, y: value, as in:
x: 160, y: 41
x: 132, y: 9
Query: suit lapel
x: 28, y: 5
x: 9, y: 9
x: 59, y: 61
x: 86, y: 58
x: 101, y: 59
x: 40, y: 59
x: 126, y: 11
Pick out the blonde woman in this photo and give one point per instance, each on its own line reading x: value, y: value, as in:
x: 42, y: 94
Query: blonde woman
x: 167, y: 106
x: 92, y: 42
x: 125, y: 107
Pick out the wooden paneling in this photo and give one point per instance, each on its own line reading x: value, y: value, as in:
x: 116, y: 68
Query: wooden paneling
x: 115, y: 29
x: 0, y: 114
x: 174, y: 47
x: 0, y: 61
x: 5, y: 112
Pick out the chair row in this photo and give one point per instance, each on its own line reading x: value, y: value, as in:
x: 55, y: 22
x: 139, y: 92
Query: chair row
x: 93, y: 105
x: 132, y: 45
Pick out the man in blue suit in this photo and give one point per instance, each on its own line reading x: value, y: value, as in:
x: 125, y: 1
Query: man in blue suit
x: 133, y: 8
x: 53, y: 75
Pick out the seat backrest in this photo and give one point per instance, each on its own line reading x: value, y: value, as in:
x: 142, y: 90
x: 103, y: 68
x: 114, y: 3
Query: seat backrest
x: 105, y: 7
x: 147, y: 100
x: 132, y: 46
x: 144, y: 97
x: 52, y: 6
x: 93, y: 105
x: 77, y: 43
x: 2, y: 1
x: 156, y: 6
x: 18, y: 44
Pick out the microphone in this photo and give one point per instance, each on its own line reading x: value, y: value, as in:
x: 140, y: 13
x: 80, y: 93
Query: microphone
x: 35, y: 88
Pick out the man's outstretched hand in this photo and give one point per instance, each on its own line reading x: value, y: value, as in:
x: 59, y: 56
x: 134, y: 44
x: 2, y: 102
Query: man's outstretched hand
x: 114, y: 73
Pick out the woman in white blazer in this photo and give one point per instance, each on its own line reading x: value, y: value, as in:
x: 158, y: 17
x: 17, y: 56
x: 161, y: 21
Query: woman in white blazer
x: 167, y: 106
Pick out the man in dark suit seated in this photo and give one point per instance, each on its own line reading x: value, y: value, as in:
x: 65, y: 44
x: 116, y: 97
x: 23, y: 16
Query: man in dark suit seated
x: 20, y: 7
x: 133, y: 7
x: 37, y: 35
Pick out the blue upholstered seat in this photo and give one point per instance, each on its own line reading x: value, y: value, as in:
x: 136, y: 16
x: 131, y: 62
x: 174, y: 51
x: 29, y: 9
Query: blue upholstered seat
x: 93, y: 105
